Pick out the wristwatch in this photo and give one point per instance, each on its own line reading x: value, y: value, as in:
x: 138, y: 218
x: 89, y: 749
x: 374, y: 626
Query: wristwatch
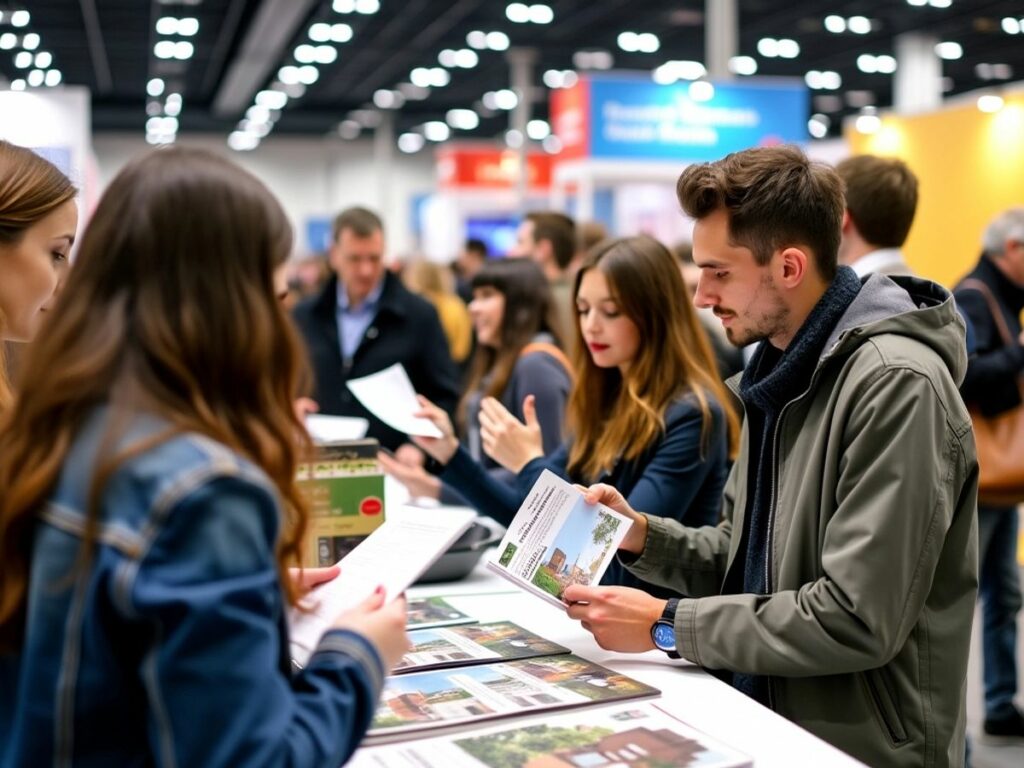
x: 663, y: 631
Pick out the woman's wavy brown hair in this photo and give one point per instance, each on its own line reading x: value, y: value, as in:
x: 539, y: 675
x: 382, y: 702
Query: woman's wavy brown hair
x: 611, y: 417
x: 31, y: 188
x: 170, y: 310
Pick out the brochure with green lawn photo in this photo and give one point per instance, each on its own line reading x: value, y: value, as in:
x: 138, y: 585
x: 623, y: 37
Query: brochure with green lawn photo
x: 557, y: 539
x: 427, y: 612
x: 638, y: 735
x: 421, y: 701
x: 477, y: 644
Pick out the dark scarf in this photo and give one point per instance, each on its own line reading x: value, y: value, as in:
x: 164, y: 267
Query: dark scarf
x: 772, y: 379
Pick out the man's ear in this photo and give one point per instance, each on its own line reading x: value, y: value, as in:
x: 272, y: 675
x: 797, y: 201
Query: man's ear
x: 793, y: 266
x: 847, y: 222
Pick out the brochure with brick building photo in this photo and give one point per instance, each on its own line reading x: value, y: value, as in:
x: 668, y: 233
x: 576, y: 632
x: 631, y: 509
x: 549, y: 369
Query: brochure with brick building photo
x: 638, y: 735
x: 557, y: 539
x: 422, y: 701
x: 477, y: 644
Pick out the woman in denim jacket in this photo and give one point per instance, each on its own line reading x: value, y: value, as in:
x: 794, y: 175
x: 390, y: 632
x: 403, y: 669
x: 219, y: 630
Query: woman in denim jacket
x: 148, y: 507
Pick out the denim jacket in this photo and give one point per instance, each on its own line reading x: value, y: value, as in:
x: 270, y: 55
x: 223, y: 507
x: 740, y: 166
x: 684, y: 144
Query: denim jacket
x: 170, y: 648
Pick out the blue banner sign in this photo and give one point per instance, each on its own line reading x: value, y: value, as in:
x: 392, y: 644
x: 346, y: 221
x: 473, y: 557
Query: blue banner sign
x: 637, y: 118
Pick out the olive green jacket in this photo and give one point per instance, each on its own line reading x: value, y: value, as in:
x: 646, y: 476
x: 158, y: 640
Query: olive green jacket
x: 873, y: 541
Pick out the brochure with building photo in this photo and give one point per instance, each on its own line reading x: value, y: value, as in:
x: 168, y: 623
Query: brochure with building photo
x: 428, y: 612
x: 638, y: 735
x: 557, y: 539
x: 420, y: 701
x: 476, y: 644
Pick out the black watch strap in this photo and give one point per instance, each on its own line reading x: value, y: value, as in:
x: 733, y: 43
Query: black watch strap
x: 669, y: 615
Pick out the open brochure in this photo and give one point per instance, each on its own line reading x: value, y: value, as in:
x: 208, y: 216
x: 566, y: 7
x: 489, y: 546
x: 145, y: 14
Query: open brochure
x: 640, y: 735
x: 557, y: 539
x: 389, y: 395
x: 425, y: 700
x: 393, y: 556
x: 430, y: 612
x: 476, y: 644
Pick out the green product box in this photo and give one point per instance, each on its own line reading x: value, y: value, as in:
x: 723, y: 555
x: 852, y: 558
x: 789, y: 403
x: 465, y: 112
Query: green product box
x: 344, y: 488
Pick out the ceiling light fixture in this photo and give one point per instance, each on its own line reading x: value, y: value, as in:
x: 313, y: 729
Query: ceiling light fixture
x: 743, y: 65
x: 990, y: 102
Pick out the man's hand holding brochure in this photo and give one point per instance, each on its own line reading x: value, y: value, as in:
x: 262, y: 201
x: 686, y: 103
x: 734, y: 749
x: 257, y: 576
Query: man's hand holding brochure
x: 557, y: 539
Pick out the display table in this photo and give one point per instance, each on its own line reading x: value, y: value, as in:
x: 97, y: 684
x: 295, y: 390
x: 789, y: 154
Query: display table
x: 688, y: 692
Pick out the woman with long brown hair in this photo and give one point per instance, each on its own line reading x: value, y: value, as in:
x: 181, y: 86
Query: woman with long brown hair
x: 38, y: 219
x: 648, y: 413
x: 518, y: 358
x: 149, y: 509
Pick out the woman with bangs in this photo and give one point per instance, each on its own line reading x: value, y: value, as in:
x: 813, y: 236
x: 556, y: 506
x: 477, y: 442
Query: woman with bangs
x: 149, y: 510
x: 518, y: 362
x: 647, y: 414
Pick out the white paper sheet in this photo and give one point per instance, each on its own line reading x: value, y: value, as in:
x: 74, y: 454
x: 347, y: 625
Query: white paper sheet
x: 393, y: 556
x: 389, y: 395
x: 332, y: 429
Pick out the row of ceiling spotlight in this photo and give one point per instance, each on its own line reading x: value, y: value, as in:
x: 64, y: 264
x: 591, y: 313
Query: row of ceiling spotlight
x: 293, y: 78
x: 36, y: 63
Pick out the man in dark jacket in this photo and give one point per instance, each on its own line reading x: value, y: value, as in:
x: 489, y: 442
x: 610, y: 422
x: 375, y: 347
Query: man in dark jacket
x: 364, y: 320
x: 993, y: 384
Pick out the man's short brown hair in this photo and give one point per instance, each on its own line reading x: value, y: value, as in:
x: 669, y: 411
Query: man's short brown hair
x: 881, y: 197
x: 362, y: 222
x: 559, y: 230
x: 775, y: 197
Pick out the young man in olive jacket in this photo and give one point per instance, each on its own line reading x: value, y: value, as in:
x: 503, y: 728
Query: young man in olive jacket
x: 838, y: 588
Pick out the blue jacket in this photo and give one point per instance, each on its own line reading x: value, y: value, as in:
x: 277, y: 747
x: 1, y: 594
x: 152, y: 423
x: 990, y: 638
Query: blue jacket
x: 169, y: 648
x: 676, y: 477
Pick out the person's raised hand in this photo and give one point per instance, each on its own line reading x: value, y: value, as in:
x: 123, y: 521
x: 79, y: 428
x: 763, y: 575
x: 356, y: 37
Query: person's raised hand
x: 439, y: 448
x: 420, y: 483
x: 507, y: 440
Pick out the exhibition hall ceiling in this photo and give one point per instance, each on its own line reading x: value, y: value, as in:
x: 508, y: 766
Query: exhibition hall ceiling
x: 315, y: 67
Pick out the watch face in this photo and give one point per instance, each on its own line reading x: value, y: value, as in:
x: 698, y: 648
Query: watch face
x: 664, y: 637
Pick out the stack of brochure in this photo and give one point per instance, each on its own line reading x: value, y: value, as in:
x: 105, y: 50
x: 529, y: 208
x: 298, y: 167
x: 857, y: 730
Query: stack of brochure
x: 639, y: 734
x: 422, y: 701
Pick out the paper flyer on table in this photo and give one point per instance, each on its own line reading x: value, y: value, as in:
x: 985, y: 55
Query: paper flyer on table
x: 393, y: 556
x: 430, y: 700
x: 334, y: 429
x: 430, y: 612
x: 389, y: 395
x: 557, y: 539
x: 477, y: 644
x: 640, y: 734
x: 635, y: 734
